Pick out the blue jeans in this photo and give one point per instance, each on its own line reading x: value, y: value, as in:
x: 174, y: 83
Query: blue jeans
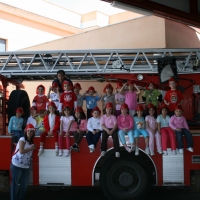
x: 122, y: 136
x: 19, y: 176
x: 17, y: 134
x: 93, y: 138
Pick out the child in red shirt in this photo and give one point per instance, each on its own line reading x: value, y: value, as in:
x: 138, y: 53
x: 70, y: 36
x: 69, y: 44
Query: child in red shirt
x: 51, y: 125
x: 68, y: 97
x: 40, y: 100
x: 173, y: 97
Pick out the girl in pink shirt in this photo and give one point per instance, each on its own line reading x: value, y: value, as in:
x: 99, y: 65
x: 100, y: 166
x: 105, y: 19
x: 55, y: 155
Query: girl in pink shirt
x: 79, y: 127
x: 125, y: 126
x: 109, y: 126
x: 119, y: 99
x: 131, y: 96
x: 65, y: 130
x: 178, y: 123
x: 152, y: 129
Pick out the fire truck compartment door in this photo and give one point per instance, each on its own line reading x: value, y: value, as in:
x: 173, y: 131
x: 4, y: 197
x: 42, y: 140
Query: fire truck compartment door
x: 173, y: 168
x: 54, y: 170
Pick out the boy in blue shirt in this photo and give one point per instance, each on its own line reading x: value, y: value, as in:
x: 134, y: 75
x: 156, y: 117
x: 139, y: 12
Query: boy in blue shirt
x: 91, y: 100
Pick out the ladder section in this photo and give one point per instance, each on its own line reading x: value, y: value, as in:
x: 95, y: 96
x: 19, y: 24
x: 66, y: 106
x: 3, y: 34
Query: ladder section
x: 79, y: 63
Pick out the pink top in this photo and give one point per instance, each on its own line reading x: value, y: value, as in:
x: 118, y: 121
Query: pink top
x: 121, y: 98
x: 66, y: 121
x: 131, y: 100
x: 108, y: 122
x: 125, y: 121
x: 82, y: 126
x: 178, y: 122
x: 152, y: 121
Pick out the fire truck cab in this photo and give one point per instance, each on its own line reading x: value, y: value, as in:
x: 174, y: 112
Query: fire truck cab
x: 127, y: 177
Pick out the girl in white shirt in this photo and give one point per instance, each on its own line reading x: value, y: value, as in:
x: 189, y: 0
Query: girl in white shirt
x: 65, y: 130
x: 94, y: 129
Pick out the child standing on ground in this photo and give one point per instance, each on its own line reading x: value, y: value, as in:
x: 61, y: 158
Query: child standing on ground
x: 152, y: 129
x: 65, y: 130
x: 125, y: 127
x: 109, y: 126
x: 173, y: 97
x: 165, y: 131
x: 108, y: 97
x: 68, y: 97
x: 91, y: 100
x: 139, y: 129
x: 119, y: 99
x: 94, y: 129
x: 51, y: 125
x: 131, y: 96
x: 79, y: 127
x: 31, y: 119
x: 77, y: 88
x: 15, y: 125
x: 40, y: 100
x: 179, y: 125
x: 55, y: 95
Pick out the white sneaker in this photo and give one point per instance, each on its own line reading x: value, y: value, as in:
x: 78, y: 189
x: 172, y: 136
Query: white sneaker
x: 56, y: 152
x: 103, y: 153
x: 60, y: 153
x: 40, y: 152
x: 174, y: 152
x: 117, y: 154
x: 152, y: 153
x: 91, y: 147
x: 180, y: 151
x: 136, y: 151
x: 67, y: 153
x: 165, y: 153
x: 147, y: 150
x: 159, y: 151
x: 190, y: 149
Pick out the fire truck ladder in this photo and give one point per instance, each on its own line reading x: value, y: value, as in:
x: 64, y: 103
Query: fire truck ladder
x: 92, y: 64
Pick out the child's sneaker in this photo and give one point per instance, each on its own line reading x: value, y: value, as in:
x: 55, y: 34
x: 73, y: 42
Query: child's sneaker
x: 91, y: 147
x: 56, y: 152
x: 147, y: 151
x: 75, y: 147
x: 174, y: 152
x: 40, y: 152
x: 152, y: 153
x: 190, y: 149
x: 60, y: 153
x: 117, y: 154
x: 67, y: 153
x: 103, y: 153
x: 180, y: 151
x: 136, y: 151
x: 159, y: 151
x: 128, y: 149
x: 165, y: 153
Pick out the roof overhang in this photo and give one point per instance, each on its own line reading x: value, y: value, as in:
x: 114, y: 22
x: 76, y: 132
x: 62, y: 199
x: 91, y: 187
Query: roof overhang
x: 186, y: 12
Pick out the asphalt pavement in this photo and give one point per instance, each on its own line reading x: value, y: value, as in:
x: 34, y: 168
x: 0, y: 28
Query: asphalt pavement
x: 94, y: 193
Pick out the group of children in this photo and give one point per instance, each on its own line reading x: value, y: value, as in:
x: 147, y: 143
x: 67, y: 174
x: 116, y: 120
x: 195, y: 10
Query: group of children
x: 64, y: 116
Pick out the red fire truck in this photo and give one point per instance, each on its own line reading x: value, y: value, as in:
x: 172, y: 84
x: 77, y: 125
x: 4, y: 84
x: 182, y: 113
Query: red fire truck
x: 127, y: 177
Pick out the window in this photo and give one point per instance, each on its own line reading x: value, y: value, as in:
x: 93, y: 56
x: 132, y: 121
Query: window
x: 2, y: 45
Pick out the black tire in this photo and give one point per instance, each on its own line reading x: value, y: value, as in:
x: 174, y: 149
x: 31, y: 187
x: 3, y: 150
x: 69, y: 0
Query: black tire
x: 124, y: 180
x: 19, y: 98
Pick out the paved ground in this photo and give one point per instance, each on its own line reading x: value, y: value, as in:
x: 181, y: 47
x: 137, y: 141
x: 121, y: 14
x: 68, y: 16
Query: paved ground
x: 94, y: 193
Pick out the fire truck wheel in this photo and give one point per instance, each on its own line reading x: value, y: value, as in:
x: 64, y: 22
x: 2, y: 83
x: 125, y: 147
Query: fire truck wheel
x: 124, y: 180
x: 18, y: 98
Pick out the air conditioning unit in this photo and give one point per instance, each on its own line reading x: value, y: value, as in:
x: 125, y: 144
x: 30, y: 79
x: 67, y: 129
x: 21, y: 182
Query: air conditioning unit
x: 196, y: 88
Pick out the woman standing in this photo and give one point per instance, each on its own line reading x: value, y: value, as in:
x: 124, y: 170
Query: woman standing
x: 20, y: 164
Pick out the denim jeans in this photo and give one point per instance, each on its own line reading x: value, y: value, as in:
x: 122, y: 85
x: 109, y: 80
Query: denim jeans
x: 17, y: 134
x: 122, y: 136
x: 19, y: 176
